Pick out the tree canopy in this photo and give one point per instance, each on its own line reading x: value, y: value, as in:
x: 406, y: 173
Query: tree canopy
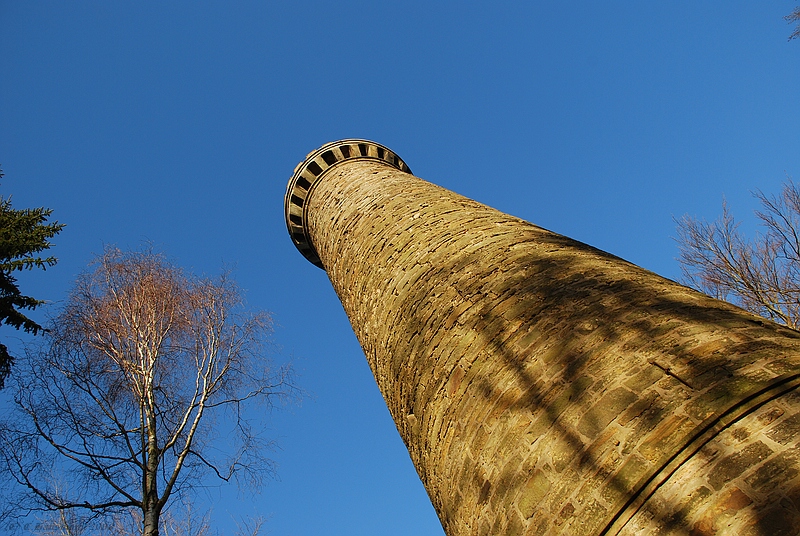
x: 23, y: 234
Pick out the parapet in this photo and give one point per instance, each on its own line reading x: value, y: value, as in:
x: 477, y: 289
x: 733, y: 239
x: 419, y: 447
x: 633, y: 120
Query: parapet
x: 310, y: 171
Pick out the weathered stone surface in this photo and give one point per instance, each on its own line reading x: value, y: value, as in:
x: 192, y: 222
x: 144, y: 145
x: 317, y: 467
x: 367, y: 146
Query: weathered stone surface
x: 543, y: 386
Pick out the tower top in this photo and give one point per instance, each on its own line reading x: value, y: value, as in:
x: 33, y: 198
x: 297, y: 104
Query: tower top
x: 311, y: 170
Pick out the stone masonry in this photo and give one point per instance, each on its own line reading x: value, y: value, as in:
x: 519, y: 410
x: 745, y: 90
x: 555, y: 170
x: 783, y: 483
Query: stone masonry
x: 543, y: 386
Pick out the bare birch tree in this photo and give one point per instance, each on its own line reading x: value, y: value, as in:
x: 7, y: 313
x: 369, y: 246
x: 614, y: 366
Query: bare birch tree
x: 761, y: 275
x: 141, y: 376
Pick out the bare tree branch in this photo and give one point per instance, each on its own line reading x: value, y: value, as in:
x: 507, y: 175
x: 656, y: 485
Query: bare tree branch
x: 791, y: 18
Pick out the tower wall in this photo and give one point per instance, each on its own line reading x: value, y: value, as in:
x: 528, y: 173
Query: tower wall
x: 543, y: 386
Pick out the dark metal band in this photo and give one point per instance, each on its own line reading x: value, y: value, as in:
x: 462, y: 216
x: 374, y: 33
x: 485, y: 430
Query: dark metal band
x: 703, y: 433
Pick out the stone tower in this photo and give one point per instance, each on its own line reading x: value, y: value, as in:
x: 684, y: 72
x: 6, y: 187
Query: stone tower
x: 543, y: 386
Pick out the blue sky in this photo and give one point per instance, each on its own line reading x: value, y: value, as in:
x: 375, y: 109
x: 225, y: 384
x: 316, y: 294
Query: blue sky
x: 180, y: 123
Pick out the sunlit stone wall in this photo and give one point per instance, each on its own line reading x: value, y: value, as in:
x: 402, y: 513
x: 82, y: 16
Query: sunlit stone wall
x: 543, y: 386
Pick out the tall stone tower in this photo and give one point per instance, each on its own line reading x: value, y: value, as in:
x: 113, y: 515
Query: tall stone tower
x: 543, y: 386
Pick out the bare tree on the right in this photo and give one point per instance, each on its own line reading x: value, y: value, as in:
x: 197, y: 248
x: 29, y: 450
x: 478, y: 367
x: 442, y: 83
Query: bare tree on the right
x: 761, y: 275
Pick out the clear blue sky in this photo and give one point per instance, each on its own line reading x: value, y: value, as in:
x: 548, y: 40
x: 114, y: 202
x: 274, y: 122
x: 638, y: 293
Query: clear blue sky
x: 181, y: 122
